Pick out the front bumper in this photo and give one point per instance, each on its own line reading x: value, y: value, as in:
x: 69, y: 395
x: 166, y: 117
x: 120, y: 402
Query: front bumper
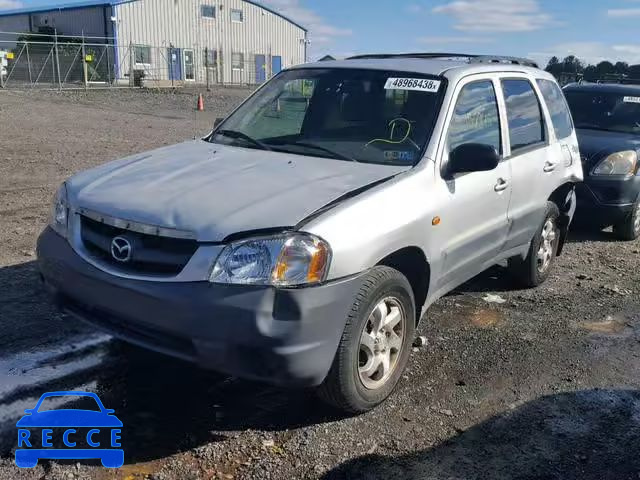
x: 282, y: 336
x: 606, y: 201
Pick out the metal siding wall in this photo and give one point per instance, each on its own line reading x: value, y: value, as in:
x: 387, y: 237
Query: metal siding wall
x: 161, y: 22
x: 74, y: 22
x: 14, y: 23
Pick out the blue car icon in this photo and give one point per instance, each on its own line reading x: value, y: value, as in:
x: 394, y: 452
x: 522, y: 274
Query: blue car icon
x: 69, y: 425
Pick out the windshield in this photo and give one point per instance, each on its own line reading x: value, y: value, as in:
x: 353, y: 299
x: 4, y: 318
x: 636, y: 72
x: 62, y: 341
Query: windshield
x: 610, y: 111
x: 371, y: 116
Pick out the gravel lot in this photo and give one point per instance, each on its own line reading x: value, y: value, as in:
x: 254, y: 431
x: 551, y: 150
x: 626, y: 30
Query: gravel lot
x: 543, y: 386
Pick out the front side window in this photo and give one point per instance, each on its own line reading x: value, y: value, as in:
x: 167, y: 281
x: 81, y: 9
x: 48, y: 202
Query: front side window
x: 526, y: 125
x: 237, y: 15
x: 557, y: 105
x: 608, y: 111
x: 208, y: 11
x: 358, y: 115
x: 237, y: 61
x: 142, y: 54
x: 476, y: 118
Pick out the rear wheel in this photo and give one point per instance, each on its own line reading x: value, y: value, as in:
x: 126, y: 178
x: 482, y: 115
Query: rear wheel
x: 629, y: 229
x: 375, y: 345
x: 535, y: 269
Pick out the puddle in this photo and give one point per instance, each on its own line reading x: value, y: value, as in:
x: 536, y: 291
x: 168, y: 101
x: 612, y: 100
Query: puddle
x: 611, y: 325
x: 484, y: 318
x: 22, y: 374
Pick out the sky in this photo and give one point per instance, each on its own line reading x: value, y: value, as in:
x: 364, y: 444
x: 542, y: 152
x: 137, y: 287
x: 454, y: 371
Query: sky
x: 590, y: 29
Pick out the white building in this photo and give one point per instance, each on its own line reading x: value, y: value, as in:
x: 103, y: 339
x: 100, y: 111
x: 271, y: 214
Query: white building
x: 228, y: 41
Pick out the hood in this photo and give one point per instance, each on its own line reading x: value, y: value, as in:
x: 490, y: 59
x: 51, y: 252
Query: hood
x: 595, y: 145
x: 216, y: 190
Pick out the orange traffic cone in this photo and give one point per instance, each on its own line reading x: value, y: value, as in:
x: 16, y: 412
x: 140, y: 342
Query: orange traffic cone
x: 200, y: 105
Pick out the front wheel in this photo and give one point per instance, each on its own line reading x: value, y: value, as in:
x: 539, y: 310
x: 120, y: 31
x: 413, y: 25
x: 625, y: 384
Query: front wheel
x: 375, y: 345
x: 629, y: 229
x: 535, y: 269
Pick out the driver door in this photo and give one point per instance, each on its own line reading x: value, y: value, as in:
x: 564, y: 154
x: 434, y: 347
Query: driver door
x: 474, y: 217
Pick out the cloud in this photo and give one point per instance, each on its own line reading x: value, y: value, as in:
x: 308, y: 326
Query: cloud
x: 10, y: 4
x: 320, y: 31
x: 455, y: 39
x: 623, y: 12
x: 591, y: 52
x: 496, y: 16
x: 414, y: 8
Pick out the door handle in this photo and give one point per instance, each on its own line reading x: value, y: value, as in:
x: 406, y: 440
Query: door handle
x: 501, y: 186
x: 549, y: 167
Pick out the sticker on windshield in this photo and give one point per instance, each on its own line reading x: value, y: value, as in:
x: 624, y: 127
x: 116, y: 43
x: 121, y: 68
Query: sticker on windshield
x: 419, y: 84
x: 631, y: 99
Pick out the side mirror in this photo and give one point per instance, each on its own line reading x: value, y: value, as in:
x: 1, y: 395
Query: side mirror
x: 217, y: 122
x: 472, y: 157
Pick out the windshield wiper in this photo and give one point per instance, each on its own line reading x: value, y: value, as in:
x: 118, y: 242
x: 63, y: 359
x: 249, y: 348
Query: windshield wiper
x: 333, y: 153
x: 236, y: 134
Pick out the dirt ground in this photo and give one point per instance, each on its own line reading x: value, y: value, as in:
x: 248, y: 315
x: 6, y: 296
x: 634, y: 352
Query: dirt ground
x: 543, y: 386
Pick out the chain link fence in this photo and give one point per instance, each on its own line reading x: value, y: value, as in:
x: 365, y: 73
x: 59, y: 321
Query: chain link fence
x: 63, y: 62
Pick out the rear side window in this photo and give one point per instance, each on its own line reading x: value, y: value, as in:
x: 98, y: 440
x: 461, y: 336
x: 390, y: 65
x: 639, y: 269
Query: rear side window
x: 526, y: 125
x: 476, y: 118
x: 557, y: 105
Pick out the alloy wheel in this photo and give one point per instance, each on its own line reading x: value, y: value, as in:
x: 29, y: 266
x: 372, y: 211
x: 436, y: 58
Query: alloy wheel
x: 547, y: 246
x: 381, y: 343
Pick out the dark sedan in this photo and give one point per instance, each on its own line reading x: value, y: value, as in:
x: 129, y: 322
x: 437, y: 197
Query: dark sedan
x: 607, y: 120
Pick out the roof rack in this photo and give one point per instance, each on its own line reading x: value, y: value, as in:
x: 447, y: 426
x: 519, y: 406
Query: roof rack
x: 471, y: 58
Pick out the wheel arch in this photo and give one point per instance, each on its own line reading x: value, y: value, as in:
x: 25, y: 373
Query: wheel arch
x: 413, y: 264
x: 565, y: 198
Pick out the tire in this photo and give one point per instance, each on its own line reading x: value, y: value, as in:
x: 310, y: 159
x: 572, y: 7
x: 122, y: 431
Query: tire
x: 351, y: 386
x: 629, y: 229
x: 533, y: 270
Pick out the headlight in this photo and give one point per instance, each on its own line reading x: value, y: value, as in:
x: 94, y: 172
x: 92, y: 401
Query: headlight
x: 60, y: 211
x: 286, y: 260
x: 619, y: 163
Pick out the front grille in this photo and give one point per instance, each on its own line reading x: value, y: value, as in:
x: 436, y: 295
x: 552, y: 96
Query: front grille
x: 150, y: 254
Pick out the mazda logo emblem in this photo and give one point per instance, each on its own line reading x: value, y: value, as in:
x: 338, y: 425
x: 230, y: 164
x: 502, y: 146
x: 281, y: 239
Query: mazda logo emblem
x: 121, y: 249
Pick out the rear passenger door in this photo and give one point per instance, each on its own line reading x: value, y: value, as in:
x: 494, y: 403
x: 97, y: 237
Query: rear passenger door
x: 565, y: 147
x: 474, y: 215
x: 529, y: 158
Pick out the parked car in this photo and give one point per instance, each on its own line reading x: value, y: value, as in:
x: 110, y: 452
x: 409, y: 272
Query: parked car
x: 607, y: 118
x: 300, y: 242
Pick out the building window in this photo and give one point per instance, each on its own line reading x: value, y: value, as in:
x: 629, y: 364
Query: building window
x: 237, y: 61
x: 208, y: 11
x: 237, y: 16
x: 210, y: 57
x: 142, y: 54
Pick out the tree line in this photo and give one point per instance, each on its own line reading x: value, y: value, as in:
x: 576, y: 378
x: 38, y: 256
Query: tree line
x: 573, y: 69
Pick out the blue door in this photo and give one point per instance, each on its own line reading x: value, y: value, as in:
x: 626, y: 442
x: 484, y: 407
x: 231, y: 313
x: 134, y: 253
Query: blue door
x: 276, y: 65
x: 261, y: 69
x: 175, y: 64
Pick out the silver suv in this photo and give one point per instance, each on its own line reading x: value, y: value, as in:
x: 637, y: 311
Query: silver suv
x: 302, y: 240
